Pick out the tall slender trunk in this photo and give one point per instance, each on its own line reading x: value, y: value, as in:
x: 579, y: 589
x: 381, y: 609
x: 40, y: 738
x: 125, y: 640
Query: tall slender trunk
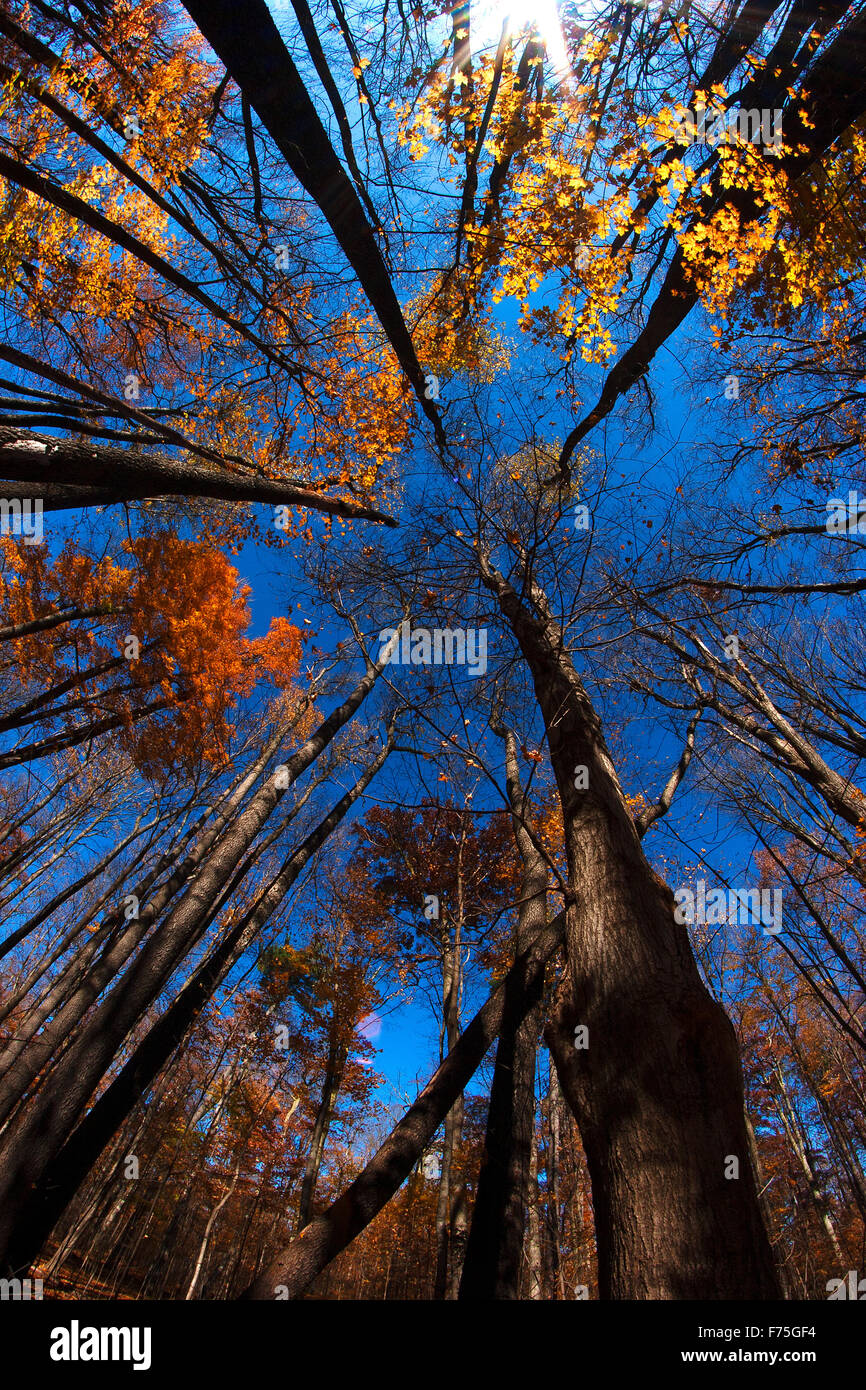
x: 297, y: 1265
x: 334, y: 1069
x: 793, y: 1128
x: 846, y: 1152
x: 760, y: 1176
x: 34, y: 1139
x: 21, y: 1063
x: 532, y: 1244
x: 495, y: 1248
x: 211, y: 1222
x: 554, y: 1204
x: 453, y: 1132
x: 240, y: 1244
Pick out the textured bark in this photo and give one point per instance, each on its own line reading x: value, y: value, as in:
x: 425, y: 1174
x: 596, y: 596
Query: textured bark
x: 534, y: 1257
x: 334, y: 1070
x: 65, y: 473
x: 443, y: 1211
x: 658, y: 1093
x: 295, y: 1267
x: 459, y: 1218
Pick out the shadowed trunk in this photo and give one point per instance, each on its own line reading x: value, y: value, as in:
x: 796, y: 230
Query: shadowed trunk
x: 335, y: 1066
x: 495, y: 1248
x: 34, y: 1138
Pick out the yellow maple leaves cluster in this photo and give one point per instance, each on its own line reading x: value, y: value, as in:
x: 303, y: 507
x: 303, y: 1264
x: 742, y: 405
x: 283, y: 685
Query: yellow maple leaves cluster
x: 158, y: 105
x: 563, y: 238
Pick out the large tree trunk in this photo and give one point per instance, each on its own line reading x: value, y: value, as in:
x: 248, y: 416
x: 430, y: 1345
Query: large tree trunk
x: 64, y: 474
x: 657, y: 1093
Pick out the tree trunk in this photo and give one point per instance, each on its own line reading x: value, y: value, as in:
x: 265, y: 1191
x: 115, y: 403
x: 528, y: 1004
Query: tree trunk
x: 211, y: 1221
x: 100, y: 474
x: 34, y: 1139
x: 449, y: 1189
x: 494, y: 1251
x: 20, y: 1062
x: 534, y: 1257
x: 657, y: 1092
x: 330, y: 1087
x: 61, y: 1176
x: 554, y: 1115
x: 793, y: 1128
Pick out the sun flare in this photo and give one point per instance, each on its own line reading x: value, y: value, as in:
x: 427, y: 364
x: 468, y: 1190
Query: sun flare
x: 489, y: 16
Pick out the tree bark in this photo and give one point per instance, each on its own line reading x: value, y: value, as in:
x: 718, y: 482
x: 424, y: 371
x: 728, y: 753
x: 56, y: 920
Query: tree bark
x: 99, y: 475
x: 534, y: 1257
x: 330, y: 1087
x: 34, y: 1138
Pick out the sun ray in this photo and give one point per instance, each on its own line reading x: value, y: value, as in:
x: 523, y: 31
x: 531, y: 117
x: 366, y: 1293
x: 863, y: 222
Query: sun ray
x: 542, y: 15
